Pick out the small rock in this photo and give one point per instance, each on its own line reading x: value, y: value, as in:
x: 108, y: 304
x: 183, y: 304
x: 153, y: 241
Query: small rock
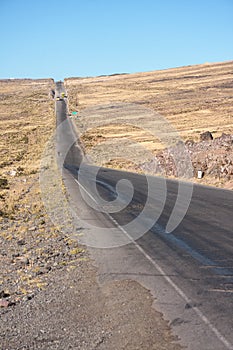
x: 189, y: 143
x: 4, y: 294
x: 42, y: 222
x: 21, y: 242
x: 28, y: 297
x: 15, y: 255
x: 12, y: 173
x: 43, y: 270
x: 3, y: 183
x: 33, y: 228
x: 4, y: 303
x: 23, y: 260
x: 206, y: 136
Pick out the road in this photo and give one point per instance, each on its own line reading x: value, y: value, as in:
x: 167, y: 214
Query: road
x: 189, y: 271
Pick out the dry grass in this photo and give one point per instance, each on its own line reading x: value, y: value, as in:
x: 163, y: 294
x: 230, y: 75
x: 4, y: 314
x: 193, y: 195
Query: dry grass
x: 193, y: 99
x: 26, y: 122
x: 31, y: 243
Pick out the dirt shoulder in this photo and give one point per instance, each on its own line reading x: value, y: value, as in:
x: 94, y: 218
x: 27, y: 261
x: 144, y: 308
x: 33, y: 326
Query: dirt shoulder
x: 75, y: 312
x: 50, y: 297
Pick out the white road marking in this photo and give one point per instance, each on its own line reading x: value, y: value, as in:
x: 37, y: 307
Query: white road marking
x: 220, y: 290
x: 85, y: 190
x: 220, y: 337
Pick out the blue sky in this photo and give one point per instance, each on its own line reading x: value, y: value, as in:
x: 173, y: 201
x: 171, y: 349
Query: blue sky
x: 58, y: 39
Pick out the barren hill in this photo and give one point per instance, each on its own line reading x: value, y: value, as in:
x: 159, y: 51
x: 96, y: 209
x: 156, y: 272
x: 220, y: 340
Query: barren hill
x: 193, y: 99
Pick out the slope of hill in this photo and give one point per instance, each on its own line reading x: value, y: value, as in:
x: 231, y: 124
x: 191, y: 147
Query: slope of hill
x: 28, y: 238
x: 193, y: 99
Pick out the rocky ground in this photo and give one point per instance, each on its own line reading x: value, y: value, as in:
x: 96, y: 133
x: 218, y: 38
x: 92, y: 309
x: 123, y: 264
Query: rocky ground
x: 31, y: 247
x: 75, y: 312
x: 50, y: 297
x: 213, y: 157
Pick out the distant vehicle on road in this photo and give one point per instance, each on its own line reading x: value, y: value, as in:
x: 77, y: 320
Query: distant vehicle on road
x: 63, y: 95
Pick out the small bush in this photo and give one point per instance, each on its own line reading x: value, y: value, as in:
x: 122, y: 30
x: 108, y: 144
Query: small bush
x: 25, y: 139
x: 4, y: 183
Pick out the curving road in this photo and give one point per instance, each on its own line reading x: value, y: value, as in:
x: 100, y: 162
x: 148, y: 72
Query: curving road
x: 189, y: 271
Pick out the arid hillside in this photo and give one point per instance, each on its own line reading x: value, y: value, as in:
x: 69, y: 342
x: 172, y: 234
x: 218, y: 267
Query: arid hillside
x: 26, y: 122
x: 31, y: 245
x: 193, y: 99
x: 26, y: 119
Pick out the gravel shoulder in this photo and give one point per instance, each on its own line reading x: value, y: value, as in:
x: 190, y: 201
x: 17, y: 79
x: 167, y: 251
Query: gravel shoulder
x: 75, y: 312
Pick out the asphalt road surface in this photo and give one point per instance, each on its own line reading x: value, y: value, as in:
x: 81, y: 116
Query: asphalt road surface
x: 188, y: 269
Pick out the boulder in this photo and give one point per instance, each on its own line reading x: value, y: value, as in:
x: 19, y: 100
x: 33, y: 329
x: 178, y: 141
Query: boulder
x: 206, y: 136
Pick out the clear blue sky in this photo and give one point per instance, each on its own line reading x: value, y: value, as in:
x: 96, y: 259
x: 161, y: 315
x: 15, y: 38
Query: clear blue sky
x: 54, y: 38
